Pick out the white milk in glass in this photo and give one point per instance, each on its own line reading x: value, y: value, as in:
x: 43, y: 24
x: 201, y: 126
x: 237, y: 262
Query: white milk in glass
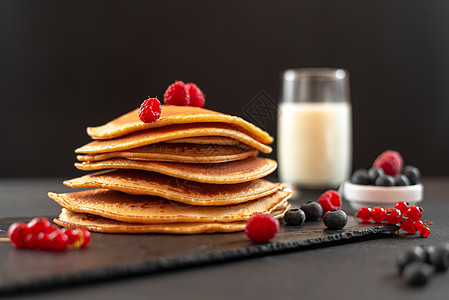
x: 314, y: 143
x: 314, y: 128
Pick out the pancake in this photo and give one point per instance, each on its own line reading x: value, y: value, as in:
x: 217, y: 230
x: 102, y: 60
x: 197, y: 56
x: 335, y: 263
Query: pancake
x: 208, y: 140
x: 182, y: 153
x: 166, y: 133
x: 150, y: 209
x: 187, y: 192
x: 171, y: 115
x: 224, y: 173
x: 98, y: 224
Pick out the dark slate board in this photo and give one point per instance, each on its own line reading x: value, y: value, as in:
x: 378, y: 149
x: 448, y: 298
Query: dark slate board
x: 120, y: 255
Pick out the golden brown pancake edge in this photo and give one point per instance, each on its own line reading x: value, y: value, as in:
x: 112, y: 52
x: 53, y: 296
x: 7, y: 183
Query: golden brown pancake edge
x: 99, y: 224
x: 149, y: 209
x: 180, y: 153
x: 224, y: 173
x: 171, y: 115
x: 188, y: 192
x: 167, y: 133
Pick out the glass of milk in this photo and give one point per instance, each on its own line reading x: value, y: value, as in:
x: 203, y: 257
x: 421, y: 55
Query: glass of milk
x: 315, y: 128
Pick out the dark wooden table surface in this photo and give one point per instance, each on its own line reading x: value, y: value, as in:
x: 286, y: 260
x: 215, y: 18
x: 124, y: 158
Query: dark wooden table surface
x: 363, y: 269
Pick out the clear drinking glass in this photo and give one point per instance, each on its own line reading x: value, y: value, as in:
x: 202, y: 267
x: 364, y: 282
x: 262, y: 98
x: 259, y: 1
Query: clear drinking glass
x: 315, y: 128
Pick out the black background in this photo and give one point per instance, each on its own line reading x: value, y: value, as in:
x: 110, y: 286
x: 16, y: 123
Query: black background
x: 66, y: 65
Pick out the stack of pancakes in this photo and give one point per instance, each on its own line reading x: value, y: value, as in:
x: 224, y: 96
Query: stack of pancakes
x: 192, y: 171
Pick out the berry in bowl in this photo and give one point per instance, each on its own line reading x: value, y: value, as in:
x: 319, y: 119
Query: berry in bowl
x: 386, y: 182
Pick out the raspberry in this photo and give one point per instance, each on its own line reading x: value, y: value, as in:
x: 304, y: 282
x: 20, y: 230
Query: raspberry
x: 390, y: 161
x: 150, y: 110
x: 196, y: 95
x: 177, y: 94
x: 330, y: 200
x: 261, y: 228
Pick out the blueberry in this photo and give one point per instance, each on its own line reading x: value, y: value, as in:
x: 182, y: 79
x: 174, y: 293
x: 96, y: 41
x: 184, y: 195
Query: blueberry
x: 415, y: 254
x: 294, y: 217
x: 360, y: 177
x: 313, y: 210
x: 417, y: 273
x: 374, y: 173
x: 428, y: 250
x: 412, y: 173
x: 439, y: 257
x: 401, y: 180
x: 335, y: 219
x: 384, y: 180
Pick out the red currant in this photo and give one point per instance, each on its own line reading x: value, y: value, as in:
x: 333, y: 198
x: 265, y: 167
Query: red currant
x: 38, y: 224
x: 17, y: 233
x: 393, y: 215
x: 425, y: 231
x: 31, y: 241
x: 59, y: 241
x: 408, y: 226
x: 418, y: 225
x: 72, y: 235
x: 44, y: 242
x: 52, y: 229
x: 39, y: 233
x: 414, y: 213
x: 87, y: 237
x: 262, y: 228
x: 378, y: 214
x: 402, y: 206
x: 364, y: 213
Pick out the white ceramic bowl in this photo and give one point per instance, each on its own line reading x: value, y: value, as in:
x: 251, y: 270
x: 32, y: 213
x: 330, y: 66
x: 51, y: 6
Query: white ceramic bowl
x: 368, y: 195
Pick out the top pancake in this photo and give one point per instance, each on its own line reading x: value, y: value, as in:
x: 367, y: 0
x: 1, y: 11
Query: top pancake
x: 166, y: 133
x: 170, y: 115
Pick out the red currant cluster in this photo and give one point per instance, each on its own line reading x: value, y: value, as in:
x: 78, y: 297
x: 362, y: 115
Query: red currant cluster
x: 39, y: 233
x: 409, y: 217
